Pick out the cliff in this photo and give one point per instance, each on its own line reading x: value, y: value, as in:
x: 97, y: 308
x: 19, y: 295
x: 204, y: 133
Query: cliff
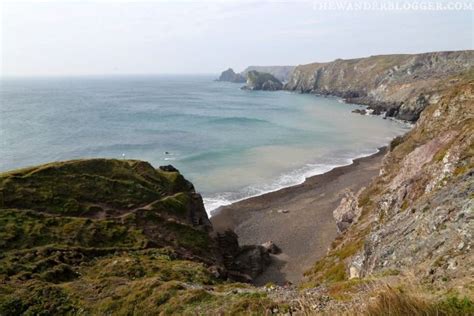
x: 401, y: 85
x: 262, y: 81
x: 413, y: 223
x: 230, y: 76
x: 105, y: 236
x: 282, y: 73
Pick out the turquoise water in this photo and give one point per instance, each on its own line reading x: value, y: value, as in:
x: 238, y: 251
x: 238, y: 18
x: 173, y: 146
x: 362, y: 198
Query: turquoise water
x: 229, y: 142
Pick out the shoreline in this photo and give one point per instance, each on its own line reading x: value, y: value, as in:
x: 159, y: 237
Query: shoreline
x: 297, y: 218
x: 312, y: 173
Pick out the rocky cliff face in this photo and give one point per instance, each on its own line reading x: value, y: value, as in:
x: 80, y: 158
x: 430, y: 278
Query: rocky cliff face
x: 401, y: 85
x: 262, y: 81
x: 415, y: 219
x: 230, y: 76
x: 105, y: 236
x: 422, y: 217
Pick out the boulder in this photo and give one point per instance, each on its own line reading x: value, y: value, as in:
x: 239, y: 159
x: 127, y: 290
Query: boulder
x: 271, y: 247
x: 243, y: 263
x: 252, y: 260
x: 360, y: 111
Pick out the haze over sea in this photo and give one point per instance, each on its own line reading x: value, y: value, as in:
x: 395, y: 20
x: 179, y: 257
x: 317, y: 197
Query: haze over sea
x: 229, y: 142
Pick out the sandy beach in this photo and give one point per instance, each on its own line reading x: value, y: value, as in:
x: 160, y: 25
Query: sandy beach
x: 297, y: 219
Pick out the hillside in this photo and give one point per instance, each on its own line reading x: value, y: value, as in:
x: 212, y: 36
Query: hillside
x: 401, y: 85
x: 115, y: 237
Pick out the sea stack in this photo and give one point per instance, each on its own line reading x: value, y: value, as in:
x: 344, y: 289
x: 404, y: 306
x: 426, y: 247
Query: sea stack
x: 230, y: 76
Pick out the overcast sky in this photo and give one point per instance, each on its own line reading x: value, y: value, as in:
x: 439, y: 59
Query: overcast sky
x: 153, y: 37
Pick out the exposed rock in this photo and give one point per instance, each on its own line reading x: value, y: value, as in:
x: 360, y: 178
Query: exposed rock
x: 252, y: 260
x: 230, y: 76
x: 243, y: 263
x: 400, y: 85
x: 348, y: 211
x: 360, y: 111
x: 282, y: 73
x: 169, y: 168
x: 421, y: 210
x: 271, y: 247
x: 262, y: 81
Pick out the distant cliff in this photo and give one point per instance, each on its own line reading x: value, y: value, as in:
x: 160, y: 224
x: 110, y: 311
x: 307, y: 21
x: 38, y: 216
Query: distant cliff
x: 402, y: 85
x: 282, y: 73
x: 230, y: 76
x: 262, y: 81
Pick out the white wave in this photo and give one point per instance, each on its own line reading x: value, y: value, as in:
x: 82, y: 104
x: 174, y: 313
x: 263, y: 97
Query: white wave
x: 214, y: 202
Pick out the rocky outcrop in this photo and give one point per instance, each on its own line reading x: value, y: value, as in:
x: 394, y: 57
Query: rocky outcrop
x: 347, y: 212
x: 230, y: 76
x: 244, y: 263
x: 282, y: 73
x: 262, y: 81
x: 399, y: 85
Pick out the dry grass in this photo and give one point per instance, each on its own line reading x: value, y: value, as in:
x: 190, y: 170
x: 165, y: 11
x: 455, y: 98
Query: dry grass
x: 387, y: 300
x: 384, y: 296
x: 392, y: 301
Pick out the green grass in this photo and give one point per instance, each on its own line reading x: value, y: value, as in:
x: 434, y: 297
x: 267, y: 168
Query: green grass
x: 72, y: 187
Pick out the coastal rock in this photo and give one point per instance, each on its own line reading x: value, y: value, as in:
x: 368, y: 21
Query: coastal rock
x: 244, y: 263
x: 400, y: 86
x: 168, y: 168
x: 282, y: 73
x: 230, y: 76
x: 262, y: 81
x: 360, y: 111
x: 252, y: 260
x: 348, y: 211
x: 271, y: 247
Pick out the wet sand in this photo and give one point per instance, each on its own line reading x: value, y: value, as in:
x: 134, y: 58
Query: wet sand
x: 297, y: 219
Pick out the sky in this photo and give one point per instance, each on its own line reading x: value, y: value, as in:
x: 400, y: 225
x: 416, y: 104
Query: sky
x: 196, y: 37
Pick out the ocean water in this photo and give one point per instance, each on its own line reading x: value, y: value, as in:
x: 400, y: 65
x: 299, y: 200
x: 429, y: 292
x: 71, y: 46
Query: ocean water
x: 229, y: 142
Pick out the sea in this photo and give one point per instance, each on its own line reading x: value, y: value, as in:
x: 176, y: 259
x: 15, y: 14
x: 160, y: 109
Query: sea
x: 230, y: 143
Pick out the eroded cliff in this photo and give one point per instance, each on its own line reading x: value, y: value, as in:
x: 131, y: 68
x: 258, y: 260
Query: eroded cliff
x: 401, y: 85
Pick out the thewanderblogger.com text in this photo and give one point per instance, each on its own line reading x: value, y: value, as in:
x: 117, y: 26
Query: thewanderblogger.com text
x: 340, y: 5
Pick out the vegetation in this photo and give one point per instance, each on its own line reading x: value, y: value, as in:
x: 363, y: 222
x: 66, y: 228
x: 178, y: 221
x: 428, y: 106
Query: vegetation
x: 109, y: 237
x: 397, y: 302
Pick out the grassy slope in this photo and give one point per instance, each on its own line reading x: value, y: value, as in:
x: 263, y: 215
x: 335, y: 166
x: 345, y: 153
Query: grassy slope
x: 108, y: 237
